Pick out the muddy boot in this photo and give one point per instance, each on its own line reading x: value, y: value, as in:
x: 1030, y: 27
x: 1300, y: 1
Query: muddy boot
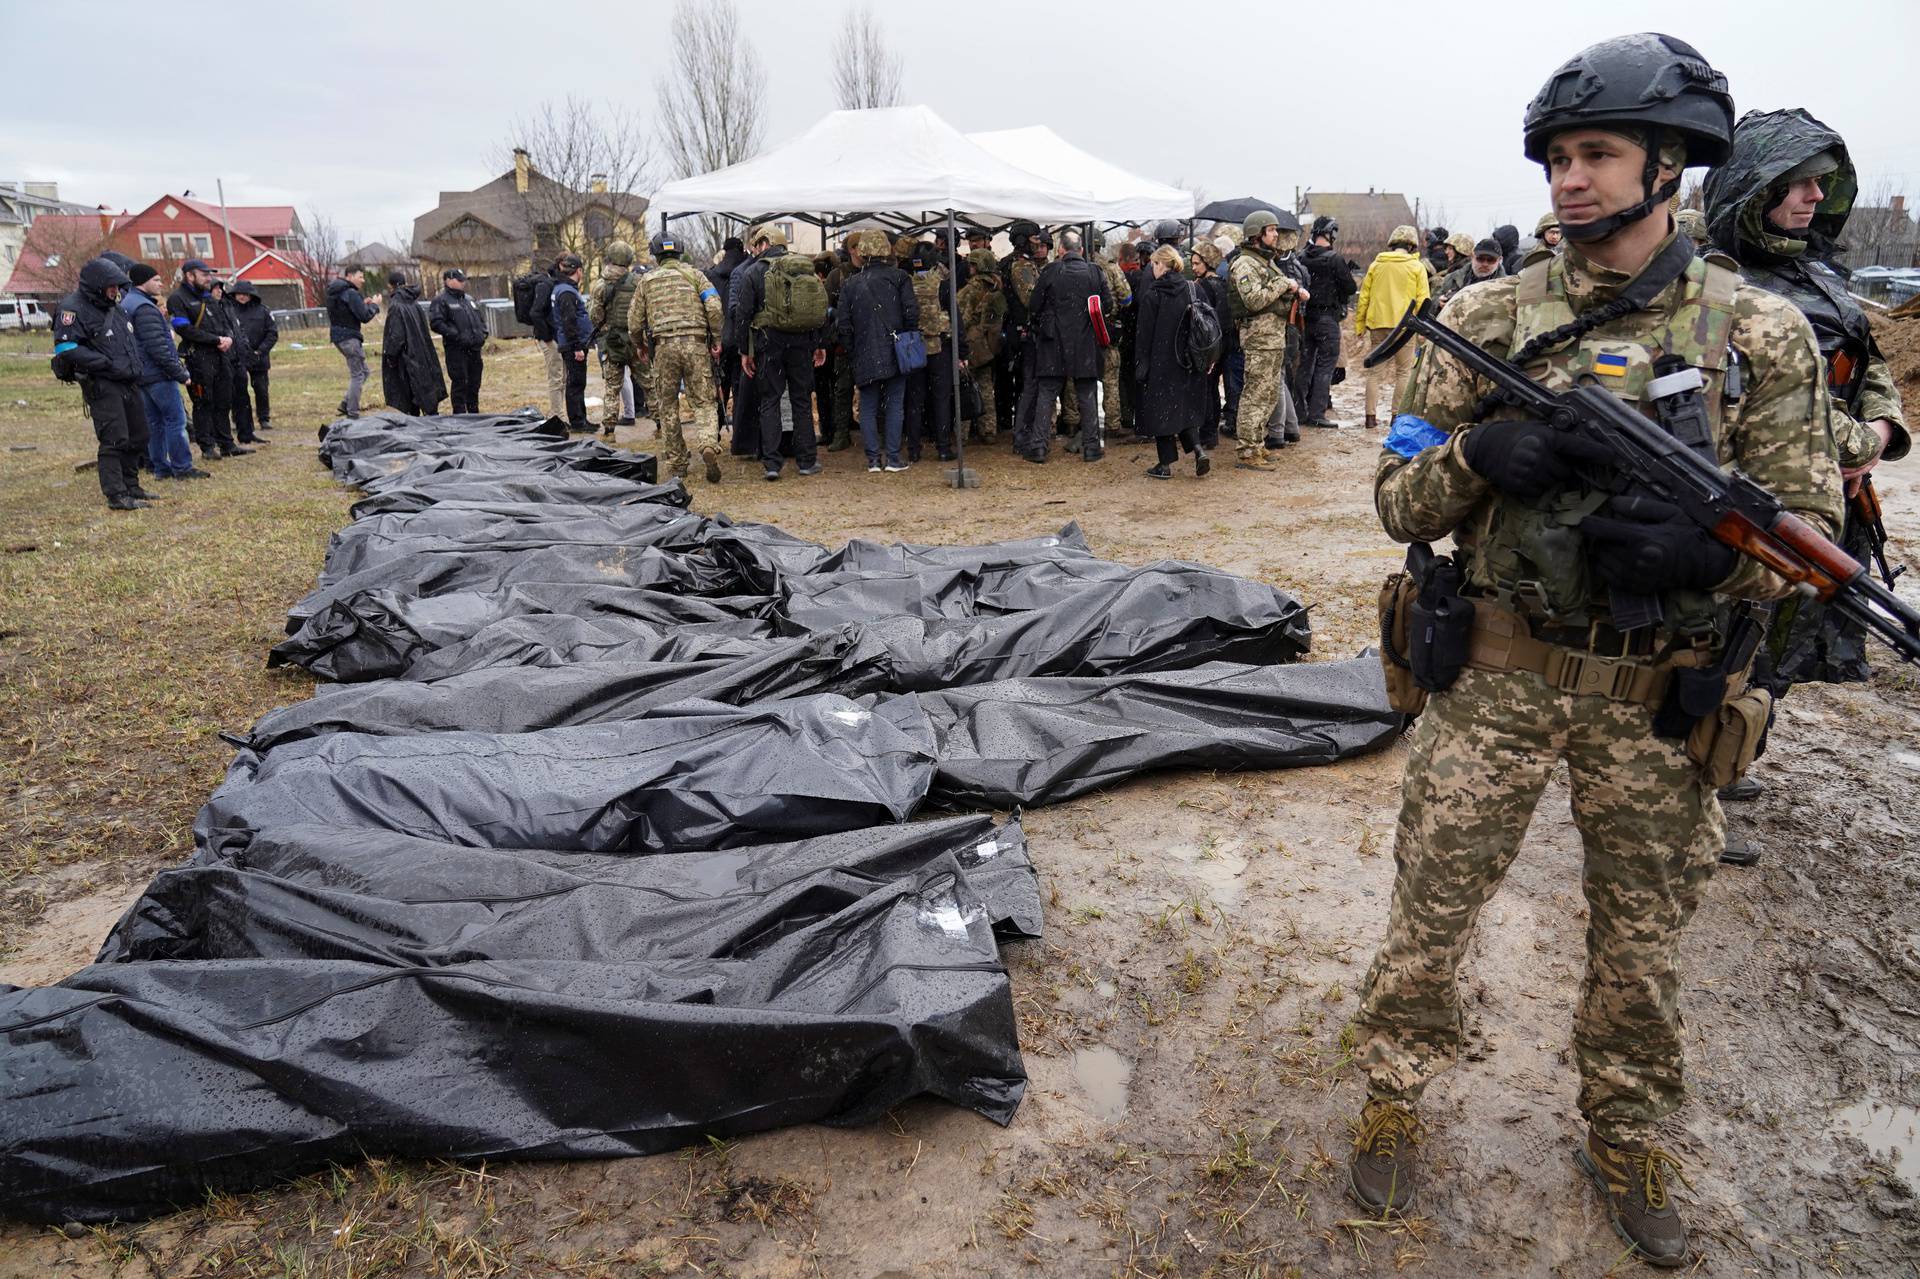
x: 1254, y: 459
x: 1743, y: 789
x: 1380, y: 1170
x: 711, y: 456
x: 1373, y: 423
x: 1740, y: 850
x: 841, y: 441
x: 1634, y: 1185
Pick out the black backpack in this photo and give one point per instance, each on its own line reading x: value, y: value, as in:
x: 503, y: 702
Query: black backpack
x: 526, y: 291
x: 1198, y: 340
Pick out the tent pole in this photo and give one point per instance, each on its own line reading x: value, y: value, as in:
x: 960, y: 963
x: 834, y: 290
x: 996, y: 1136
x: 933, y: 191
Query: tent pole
x: 953, y: 358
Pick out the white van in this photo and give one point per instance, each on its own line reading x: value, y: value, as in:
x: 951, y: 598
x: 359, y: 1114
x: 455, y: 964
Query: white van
x: 19, y: 313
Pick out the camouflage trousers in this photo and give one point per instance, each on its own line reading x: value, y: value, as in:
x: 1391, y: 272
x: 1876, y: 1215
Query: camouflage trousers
x: 613, y: 379
x: 678, y: 363
x: 987, y: 425
x: 1652, y: 833
x: 1266, y: 383
x: 1110, y: 392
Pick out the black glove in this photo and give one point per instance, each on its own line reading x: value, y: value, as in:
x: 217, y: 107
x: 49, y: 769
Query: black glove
x: 1644, y: 545
x: 1526, y: 459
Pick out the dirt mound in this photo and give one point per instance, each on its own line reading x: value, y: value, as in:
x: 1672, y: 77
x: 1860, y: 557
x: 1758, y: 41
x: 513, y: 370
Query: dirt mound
x: 1900, y: 341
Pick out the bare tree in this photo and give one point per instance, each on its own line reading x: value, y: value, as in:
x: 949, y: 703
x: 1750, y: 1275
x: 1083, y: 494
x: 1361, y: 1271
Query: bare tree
x: 66, y: 244
x: 319, y: 261
x: 589, y: 161
x: 712, y: 100
x: 866, y: 71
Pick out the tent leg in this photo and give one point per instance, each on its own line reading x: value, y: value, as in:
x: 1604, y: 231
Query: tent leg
x: 960, y: 477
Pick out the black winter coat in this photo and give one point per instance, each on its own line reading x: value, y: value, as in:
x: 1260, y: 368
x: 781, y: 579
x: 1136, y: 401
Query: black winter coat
x: 723, y: 274
x: 542, y: 308
x: 1330, y: 280
x: 876, y: 302
x: 571, y: 329
x: 1508, y: 238
x: 159, y: 358
x: 409, y: 366
x: 1170, y: 399
x: 1213, y: 286
x: 346, y: 310
x: 254, y: 323
x: 199, y: 320
x: 91, y: 334
x: 1064, y: 344
x: 456, y: 317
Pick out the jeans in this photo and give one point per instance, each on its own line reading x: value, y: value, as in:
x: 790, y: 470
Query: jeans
x: 168, y: 450
x: 355, y: 355
x: 882, y: 402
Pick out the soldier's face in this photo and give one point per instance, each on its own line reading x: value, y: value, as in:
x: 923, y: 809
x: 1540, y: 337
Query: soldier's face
x: 1593, y: 174
x: 1551, y: 237
x: 1796, y: 208
x: 1270, y: 236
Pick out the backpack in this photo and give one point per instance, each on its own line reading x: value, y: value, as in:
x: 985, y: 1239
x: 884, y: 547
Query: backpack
x: 1236, y: 305
x: 796, y: 296
x: 1198, y: 339
x: 526, y: 289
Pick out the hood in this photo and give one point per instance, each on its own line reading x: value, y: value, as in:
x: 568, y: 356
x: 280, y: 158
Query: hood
x: 243, y: 286
x: 1508, y: 237
x: 1767, y: 145
x: 731, y: 260
x: 406, y: 293
x: 1399, y: 255
x: 337, y: 285
x: 99, y: 275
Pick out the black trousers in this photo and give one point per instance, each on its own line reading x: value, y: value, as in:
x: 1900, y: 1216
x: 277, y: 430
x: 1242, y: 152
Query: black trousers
x: 463, y: 375
x: 243, y: 381
x: 576, y: 391
x: 1006, y: 387
x: 211, y: 391
x: 120, y: 427
x: 1319, y: 356
x: 1168, y: 448
x: 783, y: 366
x: 929, y: 411
x: 1035, y: 433
x: 745, y: 412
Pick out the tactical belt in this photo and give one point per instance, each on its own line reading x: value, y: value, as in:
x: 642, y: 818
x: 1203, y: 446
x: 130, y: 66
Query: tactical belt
x: 1501, y: 641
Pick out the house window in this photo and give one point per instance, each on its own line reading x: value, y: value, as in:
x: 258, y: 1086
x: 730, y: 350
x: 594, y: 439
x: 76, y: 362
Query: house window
x: 203, y: 245
x: 176, y: 245
x: 786, y: 229
x: 149, y: 246
x: 289, y: 243
x: 598, y: 225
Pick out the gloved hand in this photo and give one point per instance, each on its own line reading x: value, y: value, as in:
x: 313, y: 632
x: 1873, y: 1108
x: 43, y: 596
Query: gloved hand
x: 1527, y: 459
x: 1644, y: 545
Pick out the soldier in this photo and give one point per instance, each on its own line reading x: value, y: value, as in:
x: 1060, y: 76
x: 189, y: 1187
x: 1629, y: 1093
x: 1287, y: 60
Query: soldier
x: 983, y: 314
x: 929, y: 408
x: 1776, y: 206
x: 1693, y: 225
x: 843, y: 424
x: 1547, y: 231
x: 674, y: 321
x: 1484, y: 261
x: 1122, y: 292
x: 1460, y: 244
x: 1261, y: 296
x: 1020, y: 274
x: 607, y: 311
x: 1613, y: 128
x: 93, y: 344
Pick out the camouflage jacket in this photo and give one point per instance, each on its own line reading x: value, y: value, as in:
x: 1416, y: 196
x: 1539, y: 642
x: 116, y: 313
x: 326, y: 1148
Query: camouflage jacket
x: 1267, y: 293
x: 983, y: 312
x: 612, y: 296
x: 1116, y: 284
x: 1777, y: 431
x: 935, y: 323
x: 1023, y: 274
x: 675, y: 300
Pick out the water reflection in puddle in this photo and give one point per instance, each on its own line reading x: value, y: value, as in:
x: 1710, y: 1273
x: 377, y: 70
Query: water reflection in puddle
x: 1103, y: 1075
x: 1888, y: 1130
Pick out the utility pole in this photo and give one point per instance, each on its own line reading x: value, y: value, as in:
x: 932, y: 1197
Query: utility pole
x: 225, y: 225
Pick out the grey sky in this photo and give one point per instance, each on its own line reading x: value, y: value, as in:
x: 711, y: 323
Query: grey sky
x: 389, y: 103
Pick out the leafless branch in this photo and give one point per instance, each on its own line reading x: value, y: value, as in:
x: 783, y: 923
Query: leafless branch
x: 712, y: 97
x: 866, y: 71
x: 321, y: 260
x: 577, y: 147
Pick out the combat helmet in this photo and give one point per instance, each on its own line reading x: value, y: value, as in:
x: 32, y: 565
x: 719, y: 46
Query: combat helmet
x: 1659, y: 87
x: 1547, y: 222
x: 1167, y: 230
x: 1462, y: 243
x: 664, y: 245
x: 619, y: 253
x: 1256, y: 223
x: 1406, y: 235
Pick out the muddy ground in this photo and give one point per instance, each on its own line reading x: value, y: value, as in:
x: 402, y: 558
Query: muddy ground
x: 1182, y: 1021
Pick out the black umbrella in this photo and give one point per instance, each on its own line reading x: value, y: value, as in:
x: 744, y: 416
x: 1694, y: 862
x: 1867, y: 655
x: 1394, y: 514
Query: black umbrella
x: 1237, y: 211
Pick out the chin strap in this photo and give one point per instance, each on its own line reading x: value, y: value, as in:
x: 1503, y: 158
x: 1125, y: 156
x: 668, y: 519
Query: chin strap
x: 1601, y: 228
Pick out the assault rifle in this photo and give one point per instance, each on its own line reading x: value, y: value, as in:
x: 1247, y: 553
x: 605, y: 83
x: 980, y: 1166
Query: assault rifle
x: 1647, y: 459
x: 1865, y: 507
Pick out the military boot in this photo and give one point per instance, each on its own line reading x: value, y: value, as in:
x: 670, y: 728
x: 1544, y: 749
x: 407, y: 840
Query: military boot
x: 1741, y: 789
x: 711, y: 456
x: 1254, y: 459
x: 842, y: 439
x: 1634, y: 1185
x: 1380, y: 1170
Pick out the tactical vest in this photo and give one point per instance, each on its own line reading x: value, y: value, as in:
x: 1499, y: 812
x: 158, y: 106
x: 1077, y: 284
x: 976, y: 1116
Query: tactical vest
x: 1839, y: 324
x: 935, y: 323
x: 613, y: 328
x: 1534, y: 561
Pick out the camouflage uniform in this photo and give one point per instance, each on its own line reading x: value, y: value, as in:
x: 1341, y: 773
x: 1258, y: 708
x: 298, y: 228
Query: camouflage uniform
x: 1023, y: 276
x: 1267, y: 293
x: 1485, y: 747
x: 607, y: 312
x: 676, y: 315
x: 1109, y: 355
x: 983, y: 310
x: 841, y: 436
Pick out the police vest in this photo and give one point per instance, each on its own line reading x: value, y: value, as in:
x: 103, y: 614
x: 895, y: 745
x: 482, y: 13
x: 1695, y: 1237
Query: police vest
x: 1534, y: 560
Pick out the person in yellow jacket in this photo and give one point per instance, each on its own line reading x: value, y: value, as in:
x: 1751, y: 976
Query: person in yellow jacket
x: 1397, y: 278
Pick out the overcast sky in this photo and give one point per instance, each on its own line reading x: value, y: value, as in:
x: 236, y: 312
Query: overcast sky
x: 383, y: 105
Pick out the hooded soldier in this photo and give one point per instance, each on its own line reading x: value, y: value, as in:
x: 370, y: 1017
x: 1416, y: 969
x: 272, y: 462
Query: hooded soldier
x: 1778, y: 207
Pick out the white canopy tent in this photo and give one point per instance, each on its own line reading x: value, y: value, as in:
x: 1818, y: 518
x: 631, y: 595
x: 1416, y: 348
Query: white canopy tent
x: 907, y: 167
x: 1126, y: 197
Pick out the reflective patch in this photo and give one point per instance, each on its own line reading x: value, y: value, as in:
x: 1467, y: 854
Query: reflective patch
x: 1609, y: 365
x: 1411, y: 436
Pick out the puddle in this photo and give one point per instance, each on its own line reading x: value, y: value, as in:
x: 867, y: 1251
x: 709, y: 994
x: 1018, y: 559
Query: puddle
x: 1105, y: 989
x: 1890, y: 1131
x: 1103, y: 1075
x: 1216, y: 865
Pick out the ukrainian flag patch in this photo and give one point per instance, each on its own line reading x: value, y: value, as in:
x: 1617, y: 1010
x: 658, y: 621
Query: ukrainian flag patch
x: 1608, y: 365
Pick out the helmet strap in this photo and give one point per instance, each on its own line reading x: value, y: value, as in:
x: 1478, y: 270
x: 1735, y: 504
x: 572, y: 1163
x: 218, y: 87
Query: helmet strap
x: 1601, y: 228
